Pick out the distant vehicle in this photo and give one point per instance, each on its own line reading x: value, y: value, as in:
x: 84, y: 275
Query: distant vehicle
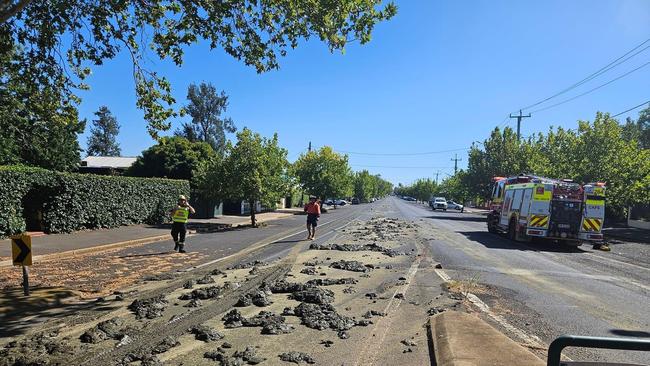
x: 373, y: 199
x: 454, y: 206
x: 340, y: 202
x: 410, y: 199
x: 329, y: 201
x: 438, y: 203
x: 355, y: 201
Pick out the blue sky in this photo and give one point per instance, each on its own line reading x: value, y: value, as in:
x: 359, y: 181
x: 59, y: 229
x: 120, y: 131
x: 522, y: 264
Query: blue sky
x: 438, y: 76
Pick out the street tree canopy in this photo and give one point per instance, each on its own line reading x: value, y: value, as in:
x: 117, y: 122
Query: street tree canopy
x: 62, y: 40
x: 171, y: 157
x: 38, y: 127
x: 103, y: 134
x: 324, y: 173
x: 206, y: 107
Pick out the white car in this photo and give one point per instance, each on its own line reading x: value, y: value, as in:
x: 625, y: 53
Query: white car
x: 455, y: 206
x: 341, y: 202
x: 438, y: 203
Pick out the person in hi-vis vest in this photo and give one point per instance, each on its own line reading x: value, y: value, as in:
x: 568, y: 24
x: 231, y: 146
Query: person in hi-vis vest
x: 180, y: 215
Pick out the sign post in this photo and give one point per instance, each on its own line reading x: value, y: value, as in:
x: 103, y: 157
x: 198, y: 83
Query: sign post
x: 21, y: 250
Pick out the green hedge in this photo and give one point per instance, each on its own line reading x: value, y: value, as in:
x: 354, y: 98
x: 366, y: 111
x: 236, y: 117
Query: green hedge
x: 73, y: 201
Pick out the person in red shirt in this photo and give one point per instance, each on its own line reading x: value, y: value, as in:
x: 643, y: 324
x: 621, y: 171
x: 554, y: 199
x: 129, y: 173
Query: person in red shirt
x: 313, y: 213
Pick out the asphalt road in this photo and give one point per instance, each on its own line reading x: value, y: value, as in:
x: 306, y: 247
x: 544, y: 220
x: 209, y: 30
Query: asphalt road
x: 545, y: 289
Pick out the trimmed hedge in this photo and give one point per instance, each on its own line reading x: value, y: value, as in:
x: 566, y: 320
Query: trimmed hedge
x: 73, y: 201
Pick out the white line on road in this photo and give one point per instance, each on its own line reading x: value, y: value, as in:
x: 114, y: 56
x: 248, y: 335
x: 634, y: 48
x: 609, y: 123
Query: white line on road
x: 530, y: 340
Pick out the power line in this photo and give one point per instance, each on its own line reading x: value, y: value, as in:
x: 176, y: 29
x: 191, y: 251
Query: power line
x: 601, y: 71
x: 402, y: 154
x: 401, y: 167
x: 591, y: 90
x: 631, y: 109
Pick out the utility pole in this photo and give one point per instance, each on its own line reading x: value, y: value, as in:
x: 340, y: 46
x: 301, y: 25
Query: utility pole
x: 456, y: 160
x: 302, y: 194
x: 309, y: 148
x: 437, y: 172
x: 519, y: 118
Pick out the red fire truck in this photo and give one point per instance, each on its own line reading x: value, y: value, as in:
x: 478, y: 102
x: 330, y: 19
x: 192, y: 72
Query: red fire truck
x: 527, y: 206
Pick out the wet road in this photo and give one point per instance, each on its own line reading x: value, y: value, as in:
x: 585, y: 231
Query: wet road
x: 544, y: 289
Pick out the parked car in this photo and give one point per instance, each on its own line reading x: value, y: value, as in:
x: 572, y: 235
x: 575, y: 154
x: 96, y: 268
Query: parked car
x: 438, y: 203
x: 329, y: 202
x: 340, y: 202
x: 455, y: 206
x: 355, y: 201
x: 410, y: 199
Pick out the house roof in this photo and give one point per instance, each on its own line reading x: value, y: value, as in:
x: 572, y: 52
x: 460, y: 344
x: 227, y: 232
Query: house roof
x: 115, y: 162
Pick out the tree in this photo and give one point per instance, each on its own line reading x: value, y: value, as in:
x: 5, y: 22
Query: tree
x: 171, y: 157
x: 324, y: 173
x: 256, y: 170
x: 205, y: 107
x: 367, y: 186
x: 103, y: 134
x: 64, y: 39
x: 37, y: 126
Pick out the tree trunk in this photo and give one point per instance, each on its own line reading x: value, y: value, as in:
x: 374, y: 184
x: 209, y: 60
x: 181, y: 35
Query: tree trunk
x: 252, y: 206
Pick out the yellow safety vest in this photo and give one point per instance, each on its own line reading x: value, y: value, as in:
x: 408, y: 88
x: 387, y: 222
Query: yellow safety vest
x: 181, y: 214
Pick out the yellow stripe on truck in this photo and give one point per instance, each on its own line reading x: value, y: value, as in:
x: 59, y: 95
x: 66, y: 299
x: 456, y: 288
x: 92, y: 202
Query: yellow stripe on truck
x: 591, y: 224
x: 538, y: 221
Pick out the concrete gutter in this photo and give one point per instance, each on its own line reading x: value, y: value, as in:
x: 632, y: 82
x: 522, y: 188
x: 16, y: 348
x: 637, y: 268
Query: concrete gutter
x: 461, y: 339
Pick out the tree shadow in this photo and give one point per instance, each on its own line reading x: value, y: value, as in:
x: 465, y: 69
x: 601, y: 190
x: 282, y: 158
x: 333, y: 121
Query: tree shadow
x: 44, y: 303
x: 495, y: 241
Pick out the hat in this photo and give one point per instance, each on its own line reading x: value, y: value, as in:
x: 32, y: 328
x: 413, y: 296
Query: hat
x: 312, y: 197
x: 182, y: 197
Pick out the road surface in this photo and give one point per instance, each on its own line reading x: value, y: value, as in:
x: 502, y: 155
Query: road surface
x: 544, y: 289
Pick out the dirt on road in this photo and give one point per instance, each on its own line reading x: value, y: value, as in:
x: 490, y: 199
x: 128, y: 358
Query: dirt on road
x: 359, y: 296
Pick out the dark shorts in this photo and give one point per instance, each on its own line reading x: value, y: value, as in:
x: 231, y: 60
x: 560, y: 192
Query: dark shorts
x: 312, y: 219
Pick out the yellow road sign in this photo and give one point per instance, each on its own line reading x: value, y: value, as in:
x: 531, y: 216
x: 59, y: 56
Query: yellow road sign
x: 21, y: 250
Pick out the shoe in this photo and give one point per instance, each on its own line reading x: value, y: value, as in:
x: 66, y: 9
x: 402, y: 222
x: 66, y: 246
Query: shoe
x: 312, y: 238
x: 176, y: 246
x: 181, y: 248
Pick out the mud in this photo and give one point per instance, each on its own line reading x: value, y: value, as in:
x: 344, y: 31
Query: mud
x: 313, y: 295
x: 284, y: 287
x: 322, y: 316
x: 189, y: 284
x: 109, y: 329
x: 164, y: 346
x: 206, y: 334
x: 374, y: 247
x: 149, y: 308
x: 332, y: 281
x: 246, y: 357
x: 205, y: 280
x: 247, y: 265
x: 370, y: 313
x: 353, y: 266
x: 257, y: 298
x: 308, y: 271
x: 206, y: 293
x: 297, y: 357
x: 269, y: 322
x: 194, y: 303
x: 35, y: 351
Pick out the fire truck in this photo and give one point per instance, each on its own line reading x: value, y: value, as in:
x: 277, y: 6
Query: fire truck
x: 528, y: 206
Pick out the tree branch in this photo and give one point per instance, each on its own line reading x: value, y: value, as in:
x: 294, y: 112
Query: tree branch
x: 9, y: 11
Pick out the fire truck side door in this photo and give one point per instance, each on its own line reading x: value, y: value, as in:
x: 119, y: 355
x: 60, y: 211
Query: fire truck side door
x: 507, y: 203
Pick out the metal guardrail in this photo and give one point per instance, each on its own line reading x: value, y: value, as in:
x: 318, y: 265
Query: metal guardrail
x: 556, y: 347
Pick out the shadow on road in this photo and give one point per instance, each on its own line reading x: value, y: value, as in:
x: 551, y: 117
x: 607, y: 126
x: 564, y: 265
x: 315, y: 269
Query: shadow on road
x: 456, y: 218
x: 498, y: 242
x: 630, y: 333
x: 47, y: 302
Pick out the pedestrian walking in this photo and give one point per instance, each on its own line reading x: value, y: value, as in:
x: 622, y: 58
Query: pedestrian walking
x: 313, y: 213
x: 180, y: 216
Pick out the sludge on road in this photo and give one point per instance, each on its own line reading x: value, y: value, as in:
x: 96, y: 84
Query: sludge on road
x: 361, y: 293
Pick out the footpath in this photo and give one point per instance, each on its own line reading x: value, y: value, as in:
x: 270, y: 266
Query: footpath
x: 52, y: 245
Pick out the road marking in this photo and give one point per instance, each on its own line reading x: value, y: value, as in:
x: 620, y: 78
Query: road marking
x: 369, y: 353
x: 619, y: 262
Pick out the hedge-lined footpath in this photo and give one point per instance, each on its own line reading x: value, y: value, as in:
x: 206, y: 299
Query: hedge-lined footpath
x: 83, y: 201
